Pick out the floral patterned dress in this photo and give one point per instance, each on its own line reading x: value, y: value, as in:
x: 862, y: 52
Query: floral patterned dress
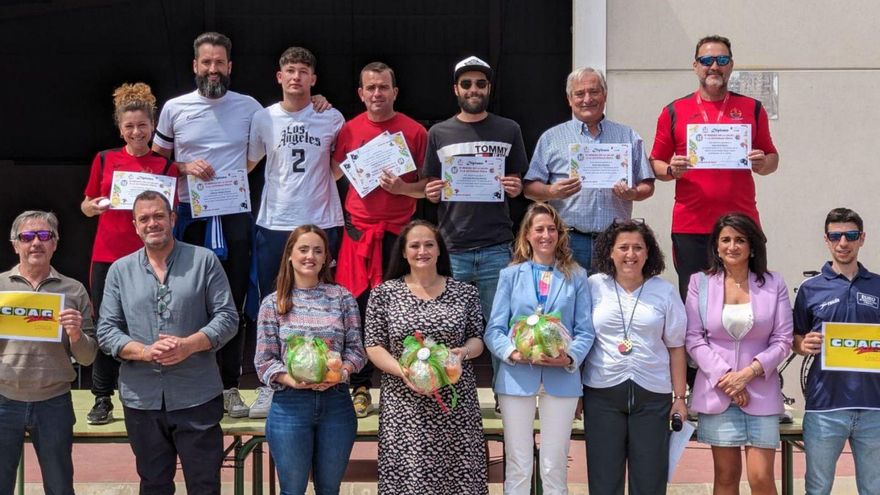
x: 423, y: 450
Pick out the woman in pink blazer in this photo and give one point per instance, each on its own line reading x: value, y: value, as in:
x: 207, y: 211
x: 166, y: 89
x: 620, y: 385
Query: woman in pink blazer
x: 739, y: 330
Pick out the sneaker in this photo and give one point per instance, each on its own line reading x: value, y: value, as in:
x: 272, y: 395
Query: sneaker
x: 233, y: 404
x: 260, y: 407
x: 362, y: 401
x: 101, y: 413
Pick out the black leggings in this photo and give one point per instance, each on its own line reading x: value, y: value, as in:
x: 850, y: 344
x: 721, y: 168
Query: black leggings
x: 237, y: 231
x: 105, y: 369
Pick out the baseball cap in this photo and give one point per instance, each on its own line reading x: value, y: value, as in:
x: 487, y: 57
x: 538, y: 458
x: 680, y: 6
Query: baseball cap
x: 472, y: 63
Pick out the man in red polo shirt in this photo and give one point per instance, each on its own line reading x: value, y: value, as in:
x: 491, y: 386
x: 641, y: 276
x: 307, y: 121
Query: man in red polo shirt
x: 701, y: 196
x: 372, y: 223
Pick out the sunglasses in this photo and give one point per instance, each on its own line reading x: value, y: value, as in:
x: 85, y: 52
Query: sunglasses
x: 163, y: 299
x: 628, y: 221
x: 708, y: 60
x: 851, y: 235
x: 30, y: 235
x: 467, y: 83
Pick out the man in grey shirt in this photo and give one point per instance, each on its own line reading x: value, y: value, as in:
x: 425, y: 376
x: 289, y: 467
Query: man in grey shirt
x: 167, y: 308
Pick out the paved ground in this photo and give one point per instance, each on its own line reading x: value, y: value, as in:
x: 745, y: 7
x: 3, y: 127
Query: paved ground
x: 109, y: 469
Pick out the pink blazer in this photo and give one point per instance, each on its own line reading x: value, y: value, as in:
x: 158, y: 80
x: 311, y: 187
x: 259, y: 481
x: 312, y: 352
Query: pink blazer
x: 716, y: 352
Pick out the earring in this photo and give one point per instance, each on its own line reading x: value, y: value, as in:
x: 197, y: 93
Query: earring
x: 751, y: 255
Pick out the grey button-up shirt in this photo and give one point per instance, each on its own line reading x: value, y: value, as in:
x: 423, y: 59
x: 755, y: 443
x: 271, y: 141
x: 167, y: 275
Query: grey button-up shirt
x: 195, y: 296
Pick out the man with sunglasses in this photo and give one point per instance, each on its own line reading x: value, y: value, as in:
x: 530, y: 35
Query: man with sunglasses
x: 167, y: 309
x: 586, y: 212
x: 477, y: 234
x: 841, y: 405
x: 702, y: 196
x: 35, y: 376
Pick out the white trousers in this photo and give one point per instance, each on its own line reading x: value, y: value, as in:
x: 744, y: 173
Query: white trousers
x: 518, y: 416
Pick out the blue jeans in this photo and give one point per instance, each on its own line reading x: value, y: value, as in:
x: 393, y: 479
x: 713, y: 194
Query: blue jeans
x: 50, y: 425
x: 311, y: 432
x: 824, y: 436
x: 270, y: 248
x: 480, y: 267
x: 581, y: 249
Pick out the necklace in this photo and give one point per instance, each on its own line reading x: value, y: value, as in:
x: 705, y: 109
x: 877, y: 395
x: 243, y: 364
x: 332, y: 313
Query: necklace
x: 626, y: 346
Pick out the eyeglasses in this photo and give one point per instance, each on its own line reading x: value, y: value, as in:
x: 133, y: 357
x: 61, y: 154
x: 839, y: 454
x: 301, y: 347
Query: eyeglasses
x: 467, y: 83
x: 851, y: 235
x: 30, y: 235
x: 628, y: 221
x: 708, y: 60
x: 163, y: 299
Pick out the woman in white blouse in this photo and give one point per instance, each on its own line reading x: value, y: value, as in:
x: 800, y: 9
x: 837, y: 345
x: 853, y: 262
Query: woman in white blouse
x: 634, y: 378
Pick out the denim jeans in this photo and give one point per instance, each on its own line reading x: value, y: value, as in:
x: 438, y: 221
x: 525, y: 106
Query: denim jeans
x: 311, y: 432
x: 481, y: 267
x: 581, y: 248
x: 824, y: 436
x: 50, y: 425
x: 270, y: 247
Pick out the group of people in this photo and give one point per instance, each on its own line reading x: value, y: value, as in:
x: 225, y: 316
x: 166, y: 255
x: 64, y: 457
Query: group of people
x: 169, y: 291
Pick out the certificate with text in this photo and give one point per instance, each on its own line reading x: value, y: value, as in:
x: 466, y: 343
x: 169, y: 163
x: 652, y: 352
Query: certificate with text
x: 127, y: 185
x: 473, y: 178
x: 601, y: 165
x: 225, y: 194
x: 384, y: 152
x: 30, y: 316
x: 719, y: 146
x: 852, y: 346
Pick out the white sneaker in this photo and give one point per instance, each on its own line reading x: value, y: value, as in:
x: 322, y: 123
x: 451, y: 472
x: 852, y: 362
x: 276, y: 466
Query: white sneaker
x: 260, y: 407
x: 233, y: 404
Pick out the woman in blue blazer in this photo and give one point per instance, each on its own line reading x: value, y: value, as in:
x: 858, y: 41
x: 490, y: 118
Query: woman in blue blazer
x: 543, y: 278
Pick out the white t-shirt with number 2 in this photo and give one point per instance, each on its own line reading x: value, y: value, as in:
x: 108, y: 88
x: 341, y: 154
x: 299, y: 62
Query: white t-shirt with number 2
x: 299, y: 188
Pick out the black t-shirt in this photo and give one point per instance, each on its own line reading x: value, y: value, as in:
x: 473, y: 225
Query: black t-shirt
x: 470, y: 225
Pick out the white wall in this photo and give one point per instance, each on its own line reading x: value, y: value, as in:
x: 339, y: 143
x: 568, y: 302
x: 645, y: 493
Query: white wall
x: 827, y: 132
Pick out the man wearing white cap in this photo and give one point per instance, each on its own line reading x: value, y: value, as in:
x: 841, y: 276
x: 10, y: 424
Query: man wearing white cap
x: 477, y: 234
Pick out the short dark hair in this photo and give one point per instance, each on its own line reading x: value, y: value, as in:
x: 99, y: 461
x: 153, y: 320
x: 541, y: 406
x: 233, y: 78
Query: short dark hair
x: 714, y: 38
x: 398, y: 266
x: 844, y: 215
x: 377, y: 67
x: 212, y: 38
x: 298, y: 55
x: 150, y: 196
x: 743, y: 224
x: 604, y: 243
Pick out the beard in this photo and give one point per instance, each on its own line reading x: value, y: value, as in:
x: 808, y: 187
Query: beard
x: 473, y: 108
x: 213, y: 89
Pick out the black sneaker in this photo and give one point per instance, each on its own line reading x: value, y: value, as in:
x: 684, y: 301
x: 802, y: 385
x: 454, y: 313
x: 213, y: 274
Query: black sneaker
x: 102, y: 412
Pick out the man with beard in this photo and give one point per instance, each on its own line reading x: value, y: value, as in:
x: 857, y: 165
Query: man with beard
x: 35, y: 376
x: 590, y: 211
x: 477, y: 234
x: 702, y: 196
x: 207, y: 131
x: 374, y: 222
x: 841, y: 405
x: 167, y: 309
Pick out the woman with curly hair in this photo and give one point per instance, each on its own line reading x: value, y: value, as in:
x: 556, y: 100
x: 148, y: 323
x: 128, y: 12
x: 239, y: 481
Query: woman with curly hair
x: 542, y: 281
x: 135, y: 117
x: 634, y: 379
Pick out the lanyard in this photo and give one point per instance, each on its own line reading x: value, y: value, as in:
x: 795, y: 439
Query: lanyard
x: 627, y: 328
x: 720, y: 112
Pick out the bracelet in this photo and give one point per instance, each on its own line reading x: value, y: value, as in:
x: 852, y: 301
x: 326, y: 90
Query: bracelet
x: 467, y: 353
x: 754, y: 370
x: 143, y: 352
x: 678, y: 397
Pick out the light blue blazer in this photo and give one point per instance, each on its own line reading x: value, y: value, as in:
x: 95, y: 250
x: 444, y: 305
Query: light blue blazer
x: 516, y: 296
